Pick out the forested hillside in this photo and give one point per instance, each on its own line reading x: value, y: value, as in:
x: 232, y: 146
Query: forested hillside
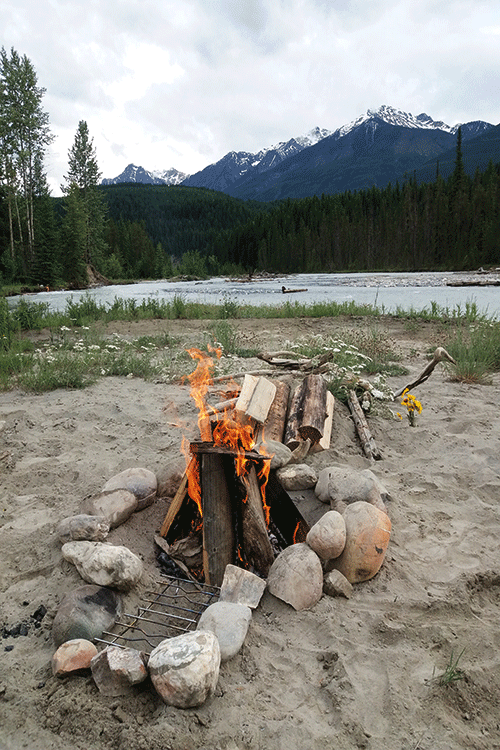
x: 452, y: 224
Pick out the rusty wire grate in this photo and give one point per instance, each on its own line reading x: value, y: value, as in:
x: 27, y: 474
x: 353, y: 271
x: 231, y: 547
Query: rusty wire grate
x: 172, y: 608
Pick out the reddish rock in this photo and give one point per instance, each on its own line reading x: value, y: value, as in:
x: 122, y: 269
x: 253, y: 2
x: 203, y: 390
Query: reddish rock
x: 73, y: 656
x: 368, y: 530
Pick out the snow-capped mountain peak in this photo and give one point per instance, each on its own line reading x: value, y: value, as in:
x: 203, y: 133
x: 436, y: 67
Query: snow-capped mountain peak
x: 393, y: 116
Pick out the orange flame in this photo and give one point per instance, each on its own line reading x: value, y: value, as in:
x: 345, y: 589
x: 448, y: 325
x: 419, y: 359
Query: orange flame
x: 194, y: 486
x: 200, y: 380
x: 295, y: 533
x: 263, y: 475
x: 226, y: 432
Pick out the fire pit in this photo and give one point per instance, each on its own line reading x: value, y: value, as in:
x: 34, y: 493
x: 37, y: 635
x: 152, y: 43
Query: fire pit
x: 227, y: 509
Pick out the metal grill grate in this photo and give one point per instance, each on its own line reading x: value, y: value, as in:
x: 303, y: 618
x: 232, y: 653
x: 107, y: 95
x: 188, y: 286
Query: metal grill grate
x: 174, y: 607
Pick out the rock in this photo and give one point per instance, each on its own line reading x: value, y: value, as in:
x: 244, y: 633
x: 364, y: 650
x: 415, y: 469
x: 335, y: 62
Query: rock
x: 240, y: 586
x: 83, y: 528
x: 86, y: 613
x: 280, y: 454
x: 296, y: 577
x: 140, y: 482
x: 327, y: 536
x: 116, y: 506
x: 229, y: 622
x: 341, y: 485
x: 104, y: 564
x: 297, y: 477
x: 184, y: 670
x: 368, y: 530
x: 169, y: 480
x: 336, y: 584
x: 72, y: 656
x: 116, y: 669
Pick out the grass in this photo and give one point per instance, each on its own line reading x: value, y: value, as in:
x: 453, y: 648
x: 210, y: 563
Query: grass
x: 476, y: 349
x: 472, y: 340
x: 452, y: 672
x: 76, y: 358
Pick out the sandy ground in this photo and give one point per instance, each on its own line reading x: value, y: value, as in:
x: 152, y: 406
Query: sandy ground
x: 345, y: 674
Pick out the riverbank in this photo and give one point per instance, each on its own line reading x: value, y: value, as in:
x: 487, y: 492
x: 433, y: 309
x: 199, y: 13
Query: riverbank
x: 357, y: 673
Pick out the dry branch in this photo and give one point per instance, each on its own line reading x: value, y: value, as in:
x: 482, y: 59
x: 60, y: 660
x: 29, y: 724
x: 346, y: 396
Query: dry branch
x: 367, y: 442
x: 439, y: 355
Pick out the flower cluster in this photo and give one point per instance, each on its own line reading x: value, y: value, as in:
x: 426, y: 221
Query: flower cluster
x: 412, y: 406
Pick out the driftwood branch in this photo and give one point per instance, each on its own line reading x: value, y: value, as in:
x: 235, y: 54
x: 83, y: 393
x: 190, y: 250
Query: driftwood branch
x: 270, y: 356
x: 291, y: 360
x: 367, y: 442
x: 439, y: 355
x: 221, y: 378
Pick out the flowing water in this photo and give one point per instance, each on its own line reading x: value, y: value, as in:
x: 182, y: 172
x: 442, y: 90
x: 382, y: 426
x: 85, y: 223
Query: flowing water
x: 388, y: 291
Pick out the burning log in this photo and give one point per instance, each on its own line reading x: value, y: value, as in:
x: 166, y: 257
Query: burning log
x: 286, y: 520
x: 218, y: 528
x: 257, y: 547
x: 307, y: 413
x: 175, y: 506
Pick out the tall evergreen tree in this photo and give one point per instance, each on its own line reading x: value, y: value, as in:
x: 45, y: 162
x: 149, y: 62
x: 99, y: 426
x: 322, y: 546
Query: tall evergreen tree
x: 24, y: 138
x: 83, y: 173
x: 73, y: 235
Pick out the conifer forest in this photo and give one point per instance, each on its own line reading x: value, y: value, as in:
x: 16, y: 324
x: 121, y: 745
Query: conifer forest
x: 134, y: 231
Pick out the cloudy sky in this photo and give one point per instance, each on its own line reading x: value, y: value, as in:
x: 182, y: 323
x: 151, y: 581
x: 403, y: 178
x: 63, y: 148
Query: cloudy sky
x: 179, y: 83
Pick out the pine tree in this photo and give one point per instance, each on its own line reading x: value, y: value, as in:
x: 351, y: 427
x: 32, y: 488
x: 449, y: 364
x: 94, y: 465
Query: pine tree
x: 83, y: 173
x: 24, y: 138
x: 74, y: 231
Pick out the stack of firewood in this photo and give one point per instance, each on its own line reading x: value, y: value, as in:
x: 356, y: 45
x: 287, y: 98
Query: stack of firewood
x: 274, y: 414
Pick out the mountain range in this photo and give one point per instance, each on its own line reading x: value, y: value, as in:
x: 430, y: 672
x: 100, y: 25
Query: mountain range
x: 381, y: 146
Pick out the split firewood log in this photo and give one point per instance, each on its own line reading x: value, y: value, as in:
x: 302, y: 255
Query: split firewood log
x: 307, y: 414
x: 324, y: 443
x: 274, y: 426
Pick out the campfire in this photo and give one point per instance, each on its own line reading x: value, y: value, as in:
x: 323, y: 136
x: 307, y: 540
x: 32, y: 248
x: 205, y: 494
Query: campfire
x: 229, y: 508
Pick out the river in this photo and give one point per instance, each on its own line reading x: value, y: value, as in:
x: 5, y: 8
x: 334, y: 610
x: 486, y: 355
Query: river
x: 388, y: 291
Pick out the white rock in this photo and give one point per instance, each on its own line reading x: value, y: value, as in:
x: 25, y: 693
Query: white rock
x: 184, y: 670
x: 116, y: 669
x: 297, y: 477
x: 240, y: 586
x: 104, y: 564
x: 140, y: 482
x: 280, y: 454
x: 341, y: 485
x: 296, y: 577
x: 327, y: 536
x: 336, y: 584
x: 229, y: 622
x: 83, y: 528
x: 115, y: 506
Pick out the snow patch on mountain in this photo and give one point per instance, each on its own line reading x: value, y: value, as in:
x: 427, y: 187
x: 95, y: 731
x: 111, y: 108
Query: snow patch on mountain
x: 394, y: 116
